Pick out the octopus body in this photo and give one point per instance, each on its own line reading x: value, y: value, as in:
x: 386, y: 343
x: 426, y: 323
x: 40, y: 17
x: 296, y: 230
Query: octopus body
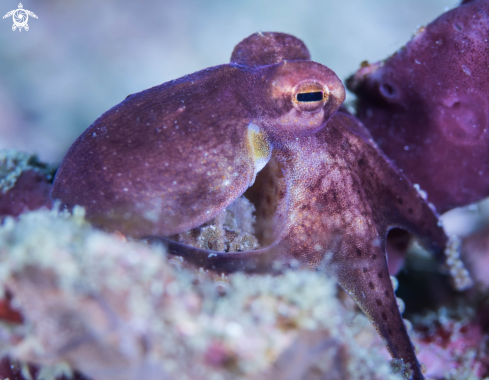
x: 172, y: 157
x: 427, y: 106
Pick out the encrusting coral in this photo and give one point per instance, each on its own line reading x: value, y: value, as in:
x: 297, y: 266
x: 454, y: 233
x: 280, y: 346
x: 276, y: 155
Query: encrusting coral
x: 117, y: 309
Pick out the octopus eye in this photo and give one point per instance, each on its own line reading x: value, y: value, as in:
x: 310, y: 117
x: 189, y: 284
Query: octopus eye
x: 310, y: 96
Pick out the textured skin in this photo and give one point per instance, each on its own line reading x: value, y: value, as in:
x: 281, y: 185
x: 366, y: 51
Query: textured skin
x: 326, y: 199
x: 427, y: 106
x: 261, y: 49
x: 170, y: 158
x: 342, y: 197
x: 30, y: 192
x: 166, y: 159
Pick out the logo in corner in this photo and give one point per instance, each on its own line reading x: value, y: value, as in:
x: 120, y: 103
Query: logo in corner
x: 20, y: 17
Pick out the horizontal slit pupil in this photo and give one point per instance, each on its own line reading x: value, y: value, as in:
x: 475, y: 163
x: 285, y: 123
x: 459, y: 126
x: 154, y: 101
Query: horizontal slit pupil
x: 310, y: 96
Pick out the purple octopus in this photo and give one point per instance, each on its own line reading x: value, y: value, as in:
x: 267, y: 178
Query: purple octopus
x: 269, y: 125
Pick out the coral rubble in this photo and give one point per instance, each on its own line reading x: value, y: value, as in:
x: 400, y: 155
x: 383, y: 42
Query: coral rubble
x: 232, y: 230
x: 118, y: 309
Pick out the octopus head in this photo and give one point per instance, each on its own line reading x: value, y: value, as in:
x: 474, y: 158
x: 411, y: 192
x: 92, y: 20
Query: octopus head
x: 299, y: 97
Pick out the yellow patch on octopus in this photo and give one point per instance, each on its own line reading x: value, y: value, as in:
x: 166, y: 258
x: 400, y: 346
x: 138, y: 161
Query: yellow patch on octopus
x: 261, y: 150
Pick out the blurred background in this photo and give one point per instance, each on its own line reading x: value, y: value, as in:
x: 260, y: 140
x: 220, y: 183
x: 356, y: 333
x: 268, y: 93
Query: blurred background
x: 80, y: 58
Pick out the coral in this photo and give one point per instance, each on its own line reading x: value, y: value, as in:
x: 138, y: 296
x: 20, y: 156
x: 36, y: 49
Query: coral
x: 118, y: 309
x: 426, y: 106
x: 453, y: 343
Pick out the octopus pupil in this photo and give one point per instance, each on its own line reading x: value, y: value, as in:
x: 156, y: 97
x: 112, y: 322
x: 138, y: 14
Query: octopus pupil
x: 310, y: 96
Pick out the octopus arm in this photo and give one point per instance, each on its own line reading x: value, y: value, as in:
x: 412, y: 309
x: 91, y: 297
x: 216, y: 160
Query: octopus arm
x: 257, y: 261
x: 394, y: 200
x: 368, y: 282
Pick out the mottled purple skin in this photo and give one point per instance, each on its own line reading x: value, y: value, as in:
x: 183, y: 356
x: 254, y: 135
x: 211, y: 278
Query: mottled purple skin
x: 31, y: 191
x: 427, y: 106
x: 326, y: 198
x: 172, y: 157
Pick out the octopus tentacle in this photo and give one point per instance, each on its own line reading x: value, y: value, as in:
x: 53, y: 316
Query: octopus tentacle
x: 400, y: 204
x: 368, y: 283
x: 257, y: 261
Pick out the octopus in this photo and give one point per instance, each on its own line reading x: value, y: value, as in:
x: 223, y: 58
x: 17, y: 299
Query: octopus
x: 268, y: 125
x: 427, y: 106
